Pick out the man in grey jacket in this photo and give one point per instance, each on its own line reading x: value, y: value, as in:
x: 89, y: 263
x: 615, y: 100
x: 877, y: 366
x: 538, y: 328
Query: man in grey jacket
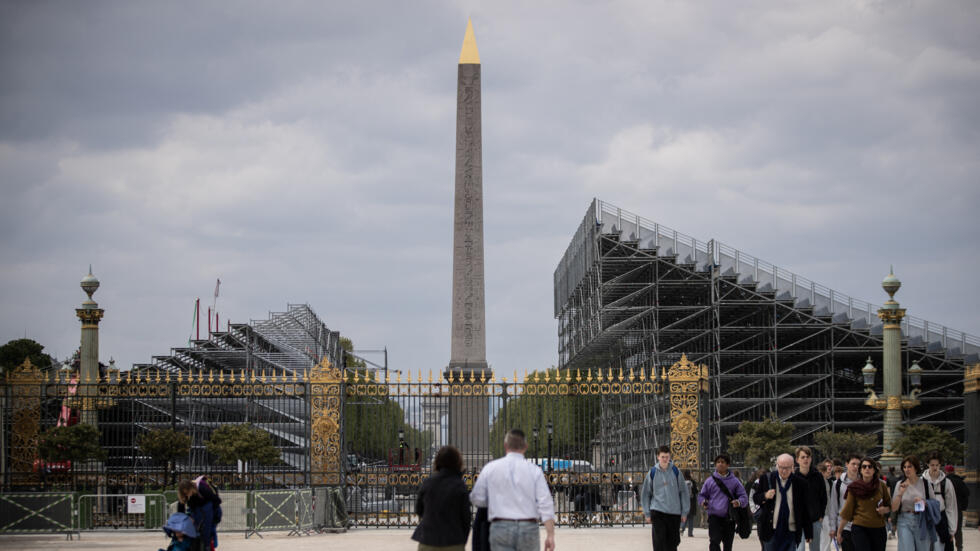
x: 665, y: 500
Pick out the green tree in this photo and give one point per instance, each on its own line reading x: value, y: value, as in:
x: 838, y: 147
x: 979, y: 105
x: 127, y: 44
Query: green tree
x: 574, y: 419
x: 165, y: 447
x: 371, y: 425
x: 245, y: 443
x: 759, y: 443
x: 921, y: 440
x: 16, y: 351
x: 347, y: 346
x: 77, y: 443
x: 838, y: 445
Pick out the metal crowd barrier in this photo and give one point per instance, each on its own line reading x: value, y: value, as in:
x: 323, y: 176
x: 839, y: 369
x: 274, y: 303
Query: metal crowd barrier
x: 121, y: 511
x: 33, y: 513
x: 300, y: 511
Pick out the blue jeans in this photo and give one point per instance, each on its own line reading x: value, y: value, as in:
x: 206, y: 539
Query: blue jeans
x: 908, y: 534
x: 815, y: 542
x: 509, y: 535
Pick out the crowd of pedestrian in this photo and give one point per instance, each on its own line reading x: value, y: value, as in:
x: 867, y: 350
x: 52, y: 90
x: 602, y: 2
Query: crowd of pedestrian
x: 845, y: 505
x: 839, y: 505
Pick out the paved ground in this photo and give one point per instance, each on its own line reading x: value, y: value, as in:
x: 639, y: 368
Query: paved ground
x: 567, y: 539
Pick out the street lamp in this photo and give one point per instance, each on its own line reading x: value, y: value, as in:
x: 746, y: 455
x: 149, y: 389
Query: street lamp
x: 401, y: 446
x: 550, y: 428
x: 893, y: 401
x: 534, y: 432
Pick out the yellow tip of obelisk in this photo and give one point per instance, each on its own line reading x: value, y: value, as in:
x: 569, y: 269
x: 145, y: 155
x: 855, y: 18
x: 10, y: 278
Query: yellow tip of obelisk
x: 469, y: 53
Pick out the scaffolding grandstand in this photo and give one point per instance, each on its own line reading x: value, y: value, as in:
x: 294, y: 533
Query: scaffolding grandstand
x: 632, y: 294
x: 282, y: 347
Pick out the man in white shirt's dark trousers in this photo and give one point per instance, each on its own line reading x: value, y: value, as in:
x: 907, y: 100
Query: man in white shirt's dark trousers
x: 665, y: 500
x: 516, y: 496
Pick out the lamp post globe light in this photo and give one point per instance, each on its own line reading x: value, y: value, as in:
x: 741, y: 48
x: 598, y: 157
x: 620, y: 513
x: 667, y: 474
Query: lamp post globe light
x: 893, y: 401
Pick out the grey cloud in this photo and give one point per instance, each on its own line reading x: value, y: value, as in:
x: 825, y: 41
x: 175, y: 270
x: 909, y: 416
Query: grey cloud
x: 304, y: 153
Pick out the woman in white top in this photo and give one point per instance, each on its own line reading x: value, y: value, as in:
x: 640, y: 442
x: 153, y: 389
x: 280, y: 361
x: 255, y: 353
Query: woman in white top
x: 909, y: 500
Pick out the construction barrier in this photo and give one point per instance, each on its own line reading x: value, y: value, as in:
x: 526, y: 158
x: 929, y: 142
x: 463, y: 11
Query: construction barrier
x: 121, y: 511
x: 31, y: 513
x: 299, y: 511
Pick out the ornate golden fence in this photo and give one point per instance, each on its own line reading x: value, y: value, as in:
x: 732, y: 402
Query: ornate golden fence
x: 372, y: 434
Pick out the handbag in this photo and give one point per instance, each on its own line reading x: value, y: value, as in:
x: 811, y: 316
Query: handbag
x: 740, y: 515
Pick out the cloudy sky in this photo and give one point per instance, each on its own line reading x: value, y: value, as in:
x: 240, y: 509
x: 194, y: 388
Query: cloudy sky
x: 303, y: 152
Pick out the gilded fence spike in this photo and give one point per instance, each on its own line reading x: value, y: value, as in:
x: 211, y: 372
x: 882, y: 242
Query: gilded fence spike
x: 167, y: 380
x: 578, y: 376
x: 430, y: 375
x: 492, y: 377
x: 525, y: 375
x: 483, y: 376
x: 588, y: 375
x: 515, y: 376
x: 262, y: 378
x: 398, y: 378
x: 620, y: 373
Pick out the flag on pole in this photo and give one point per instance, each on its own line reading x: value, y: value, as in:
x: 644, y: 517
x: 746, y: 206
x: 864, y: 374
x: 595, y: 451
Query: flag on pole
x: 216, y: 286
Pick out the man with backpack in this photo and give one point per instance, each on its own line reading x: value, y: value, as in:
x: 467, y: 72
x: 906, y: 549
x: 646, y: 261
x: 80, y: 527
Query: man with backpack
x: 836, y: 502
x: 816, y: 495
x: 665, y: 500
x: 719, y: 493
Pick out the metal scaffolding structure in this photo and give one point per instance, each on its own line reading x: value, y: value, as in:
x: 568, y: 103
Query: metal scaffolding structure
x: 633, y: 294
x: 283, y: 346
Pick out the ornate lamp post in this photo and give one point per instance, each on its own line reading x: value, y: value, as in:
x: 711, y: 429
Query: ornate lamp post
x: 893, y: 401
x: 90, y: 315
x: 401, y: 446
x: 534, y: 432
x: 550, y: 428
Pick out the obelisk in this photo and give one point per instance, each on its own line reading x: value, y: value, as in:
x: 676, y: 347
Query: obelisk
x: 468, y: 416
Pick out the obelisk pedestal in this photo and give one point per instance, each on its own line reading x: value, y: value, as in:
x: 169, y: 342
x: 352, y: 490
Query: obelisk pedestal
x: 469, y: 416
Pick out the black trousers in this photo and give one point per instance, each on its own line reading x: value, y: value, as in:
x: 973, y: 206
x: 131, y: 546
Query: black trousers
x: 847, y: 542
x: 666, y: 531
x: 721, y: 533
x: 869, y: 539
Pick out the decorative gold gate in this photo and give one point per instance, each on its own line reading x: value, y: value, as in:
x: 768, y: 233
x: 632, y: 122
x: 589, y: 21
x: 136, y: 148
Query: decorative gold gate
x: 687, y: 382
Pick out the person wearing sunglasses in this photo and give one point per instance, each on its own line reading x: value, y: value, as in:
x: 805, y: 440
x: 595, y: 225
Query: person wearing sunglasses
x: 867, y: 501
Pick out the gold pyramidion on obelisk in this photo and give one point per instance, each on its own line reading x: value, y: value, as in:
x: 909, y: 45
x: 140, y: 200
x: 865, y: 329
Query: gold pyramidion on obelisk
x: 469, y: 54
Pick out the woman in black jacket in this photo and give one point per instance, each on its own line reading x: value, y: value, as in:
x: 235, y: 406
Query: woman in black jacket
x: 443, y: 505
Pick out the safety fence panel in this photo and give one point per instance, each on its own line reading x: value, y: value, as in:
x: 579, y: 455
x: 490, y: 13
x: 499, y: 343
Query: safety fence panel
x: 122, y: 511
x: 305, y: 504
x: 30, y: 513
x: 275, y: 510
x: 329, y: 508
x: 237, y: 512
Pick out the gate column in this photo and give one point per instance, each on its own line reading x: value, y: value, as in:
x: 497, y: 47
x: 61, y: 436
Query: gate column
x: 686, y: 382
x: 326, y: 405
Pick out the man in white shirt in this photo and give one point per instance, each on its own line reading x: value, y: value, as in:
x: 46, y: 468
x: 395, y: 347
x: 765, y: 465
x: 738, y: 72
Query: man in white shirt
x: 516, y: 496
